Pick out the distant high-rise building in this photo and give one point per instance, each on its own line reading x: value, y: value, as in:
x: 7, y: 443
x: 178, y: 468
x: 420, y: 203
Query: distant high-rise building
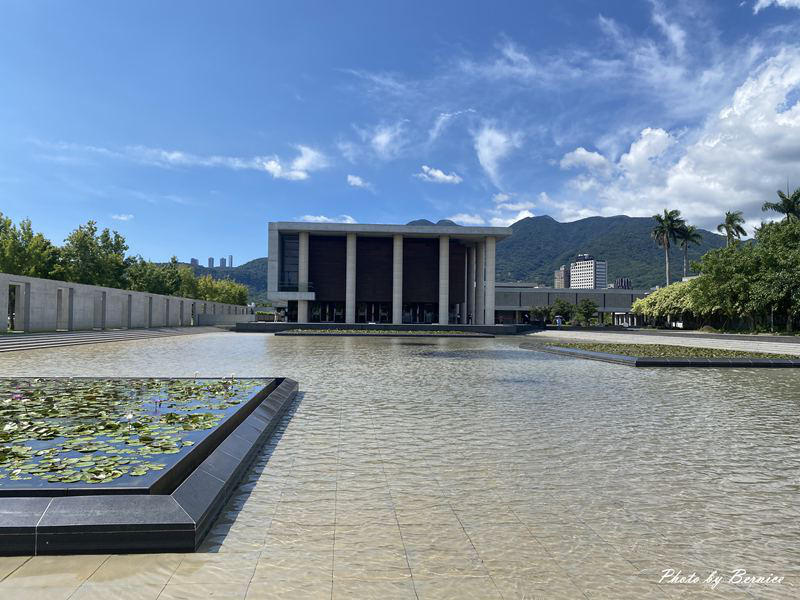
x: 194, y: 262
x: 210, y: 262
x: 623, y: 283
x: 222, y: 262
x: 561, y: 277
x: 230, y: 260
x: 587, y: 273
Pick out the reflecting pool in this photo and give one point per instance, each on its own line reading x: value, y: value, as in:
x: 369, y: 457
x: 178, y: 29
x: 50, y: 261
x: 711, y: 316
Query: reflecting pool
x: 471, y: 468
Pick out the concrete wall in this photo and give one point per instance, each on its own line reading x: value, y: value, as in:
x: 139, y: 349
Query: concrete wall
x: 48, y: 305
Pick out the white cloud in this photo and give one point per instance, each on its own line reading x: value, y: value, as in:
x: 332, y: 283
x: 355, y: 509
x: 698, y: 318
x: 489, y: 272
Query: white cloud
x: 386, y: 140
x: 442, y: 121
x: 524, y: 205
x: 735, y: 161
x: 324, y: 219
x: 673, y: 32
x: 583, y: 158
x: 307, y: 161
x: 492, y: 145
x: 762, y: 4
x: 468, y: 219
x: 506, y: 221
x: 501, y: 197
x: 122, y: 217
x: 358, y: 182
x: 434, y: 175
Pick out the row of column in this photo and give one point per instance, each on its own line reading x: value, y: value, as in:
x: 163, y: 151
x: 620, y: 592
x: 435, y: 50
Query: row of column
x: 480, y: 280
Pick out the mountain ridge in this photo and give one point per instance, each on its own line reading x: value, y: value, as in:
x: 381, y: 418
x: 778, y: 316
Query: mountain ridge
x: 539, y: 246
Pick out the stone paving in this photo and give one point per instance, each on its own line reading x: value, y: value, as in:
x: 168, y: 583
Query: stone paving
x: 693, y: 340
x: 468, y: 469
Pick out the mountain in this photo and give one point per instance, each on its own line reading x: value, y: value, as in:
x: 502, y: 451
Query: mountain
x: 253, y: 274
x: 541, y: 244
x: 427, y: 223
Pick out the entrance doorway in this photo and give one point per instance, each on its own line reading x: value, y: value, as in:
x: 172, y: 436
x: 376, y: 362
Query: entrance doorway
x: 14, y: 315
x: 326, y: 312
x: 420, y: 312
x: 373, y: 312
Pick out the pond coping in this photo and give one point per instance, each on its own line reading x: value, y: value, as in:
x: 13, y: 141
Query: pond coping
x: 358, y: 334
x: 637, y: 361
x: 146, y: 522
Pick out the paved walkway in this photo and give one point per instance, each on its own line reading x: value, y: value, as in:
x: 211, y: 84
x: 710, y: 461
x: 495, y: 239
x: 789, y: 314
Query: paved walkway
x: 773, y: 344
x: 31, y: 341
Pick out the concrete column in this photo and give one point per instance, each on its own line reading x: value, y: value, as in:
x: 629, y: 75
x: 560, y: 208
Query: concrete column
x: 3, y: 306
x: 480, y: 254
x: 350, y: 281
x: 471, y: 283
x: 444, y: 279
x: 71, y: 309
x: 302, y: 275
x: 462, y: 308
x: 489, y: 290
x: 397, y: 280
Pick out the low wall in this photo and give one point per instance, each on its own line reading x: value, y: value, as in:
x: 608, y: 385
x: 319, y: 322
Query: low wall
x: 225, y: 320
x: 50, y: 305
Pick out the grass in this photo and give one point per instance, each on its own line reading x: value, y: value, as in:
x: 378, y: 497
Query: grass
x: 666, y: 351
x: 374, y: 332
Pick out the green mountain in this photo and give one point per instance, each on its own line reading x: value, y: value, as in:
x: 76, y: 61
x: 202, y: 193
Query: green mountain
x: 253, y: 274
x: 540, y: 245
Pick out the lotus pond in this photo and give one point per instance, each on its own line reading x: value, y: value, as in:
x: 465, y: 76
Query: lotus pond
x: 84, y: 432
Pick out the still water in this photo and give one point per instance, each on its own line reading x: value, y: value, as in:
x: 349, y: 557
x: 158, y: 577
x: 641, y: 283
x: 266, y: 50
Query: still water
x: 472, y: 468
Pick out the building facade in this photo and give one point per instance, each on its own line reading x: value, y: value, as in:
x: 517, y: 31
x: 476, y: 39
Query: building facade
x: 561, y: 277
x: 222, y: 262
x: 210, y: 262
x: 588, y: 273
x: 514, y: 301
x: 623, y: 283
x: 354, y: 273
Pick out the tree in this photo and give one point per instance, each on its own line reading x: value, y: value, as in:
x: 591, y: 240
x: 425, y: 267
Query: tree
x: 23, y: 252
x: 563, y: 308
x: 688, y: 234
x: 732, y: 226
x: 788, y: 206
x: 95, y: 259
x: 585, y: 310
x: 666, y: 230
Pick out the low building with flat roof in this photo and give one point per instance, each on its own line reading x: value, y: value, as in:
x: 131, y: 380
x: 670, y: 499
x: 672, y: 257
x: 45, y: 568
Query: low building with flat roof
x: 361, y: 273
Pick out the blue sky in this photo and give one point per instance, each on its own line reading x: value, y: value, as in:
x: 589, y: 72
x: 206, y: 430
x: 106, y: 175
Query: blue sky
x: 188, y: 125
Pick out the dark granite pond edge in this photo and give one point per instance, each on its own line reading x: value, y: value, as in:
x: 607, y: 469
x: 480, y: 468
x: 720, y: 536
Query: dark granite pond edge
x: 633, y: 361
x: 169, y: 478
x: 120, y: 523
x: 416, y: 335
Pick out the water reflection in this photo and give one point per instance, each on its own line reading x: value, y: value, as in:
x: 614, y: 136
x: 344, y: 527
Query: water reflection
x: 592, y: 470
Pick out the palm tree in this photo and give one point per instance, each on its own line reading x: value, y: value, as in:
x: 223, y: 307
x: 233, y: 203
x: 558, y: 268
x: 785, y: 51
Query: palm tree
x: 789, y: 206
x: 666, y: 229
x: 687, y: 235
x: 732, y: 227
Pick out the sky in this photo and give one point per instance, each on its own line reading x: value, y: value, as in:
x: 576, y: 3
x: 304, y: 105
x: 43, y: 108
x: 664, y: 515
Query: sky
x: 187, y: 126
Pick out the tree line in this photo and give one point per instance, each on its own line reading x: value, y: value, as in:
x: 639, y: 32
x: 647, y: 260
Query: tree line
x: 750, y: 285
x: 100, y: 258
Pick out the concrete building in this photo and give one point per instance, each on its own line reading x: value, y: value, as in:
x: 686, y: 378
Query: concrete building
x: 515, y: 300
x: 222, y: 262
x: 623, y: 283
x: 210, y: 262
x: 354, y: 273
x: 588, y: 273
x: 561, y: 277
x: 194, y: 262
x: 230, y: 261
